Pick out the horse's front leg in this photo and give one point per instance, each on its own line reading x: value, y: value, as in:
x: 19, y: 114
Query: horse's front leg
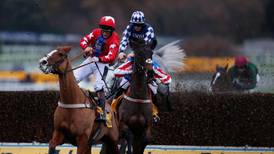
x: 88, y: 151
x: 109, y: 147
x: 140, y: 142
x: 112, y: 138
x: 82, y: 144
x: 57, y: 139
x: 148, y: 136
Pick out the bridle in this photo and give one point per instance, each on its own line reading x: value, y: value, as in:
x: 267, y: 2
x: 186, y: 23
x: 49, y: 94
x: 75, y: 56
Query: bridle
x: 56, y: 68
x: 53, y: 68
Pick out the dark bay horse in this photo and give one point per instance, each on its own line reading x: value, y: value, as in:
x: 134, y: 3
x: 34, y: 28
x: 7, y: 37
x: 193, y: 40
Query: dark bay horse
x: 74, y: 117
x: 169, y: 57
x: 135, y: 110
x: 221, y: 81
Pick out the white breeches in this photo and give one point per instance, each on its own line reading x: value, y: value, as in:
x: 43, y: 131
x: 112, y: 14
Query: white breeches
x: 85, y: 71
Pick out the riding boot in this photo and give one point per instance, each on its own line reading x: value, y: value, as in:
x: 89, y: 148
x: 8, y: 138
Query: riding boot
x: 150, y: 75
x: 101, y: 104
x: 154, y: 99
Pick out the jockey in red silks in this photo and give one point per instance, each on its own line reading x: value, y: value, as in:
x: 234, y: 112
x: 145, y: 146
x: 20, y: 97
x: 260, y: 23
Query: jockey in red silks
x: 138, y: 29
x: 101, y: 47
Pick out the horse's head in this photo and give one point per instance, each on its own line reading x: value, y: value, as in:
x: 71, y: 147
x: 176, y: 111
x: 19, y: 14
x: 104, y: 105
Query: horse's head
x: 141, y: 48
x: 220, y: 78
x: 56, y: 61
x: 143, y: 55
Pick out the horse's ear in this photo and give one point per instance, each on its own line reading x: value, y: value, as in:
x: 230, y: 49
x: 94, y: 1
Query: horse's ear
x: 65, y: 48
x: 217, y: 67
x: 226, y: 66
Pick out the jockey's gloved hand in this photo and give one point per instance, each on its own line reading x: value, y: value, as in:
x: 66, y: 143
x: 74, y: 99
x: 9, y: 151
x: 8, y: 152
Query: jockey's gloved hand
x: 88, y: 51
x: 122, y: 56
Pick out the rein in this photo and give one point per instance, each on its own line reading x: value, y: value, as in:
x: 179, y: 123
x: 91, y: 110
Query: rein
x: 72, y: 59
x: 92, y: 105
x: 75, y: 58
x: 77, y: 67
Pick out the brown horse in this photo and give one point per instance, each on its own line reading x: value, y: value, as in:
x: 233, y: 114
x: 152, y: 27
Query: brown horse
x: 135, y: 110
x: 74, y: 118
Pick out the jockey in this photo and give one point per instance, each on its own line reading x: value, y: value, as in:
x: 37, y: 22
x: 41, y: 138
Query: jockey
x: 138, y: 29
x: 244, y: 74
x: 101, y: 47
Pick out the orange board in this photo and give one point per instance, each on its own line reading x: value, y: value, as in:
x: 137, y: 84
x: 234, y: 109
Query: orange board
x: 206, y: 64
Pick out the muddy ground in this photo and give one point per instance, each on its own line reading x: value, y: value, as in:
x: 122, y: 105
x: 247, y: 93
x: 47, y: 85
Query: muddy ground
x: 197, y: 118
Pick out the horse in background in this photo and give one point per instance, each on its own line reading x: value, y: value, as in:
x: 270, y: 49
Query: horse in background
x: 74, y: 117
x: 221, y: 81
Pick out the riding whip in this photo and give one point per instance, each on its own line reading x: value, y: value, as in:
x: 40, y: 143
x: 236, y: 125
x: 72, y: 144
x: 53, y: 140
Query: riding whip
x: 102, y: 77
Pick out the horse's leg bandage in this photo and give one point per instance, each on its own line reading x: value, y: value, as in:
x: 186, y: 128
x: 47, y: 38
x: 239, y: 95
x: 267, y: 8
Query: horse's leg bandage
x: 154, y: 110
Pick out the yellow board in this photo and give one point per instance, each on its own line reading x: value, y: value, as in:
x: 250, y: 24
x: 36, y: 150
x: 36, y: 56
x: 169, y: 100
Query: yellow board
x: 206, y: 64
x: 12, y: 75
x: 21, y: 76
x: 149, y: 150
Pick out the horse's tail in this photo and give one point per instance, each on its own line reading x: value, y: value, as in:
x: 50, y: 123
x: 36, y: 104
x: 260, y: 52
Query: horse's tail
x: 170, y: 57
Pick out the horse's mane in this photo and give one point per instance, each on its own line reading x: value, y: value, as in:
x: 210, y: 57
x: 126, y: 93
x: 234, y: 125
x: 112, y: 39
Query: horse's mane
x: 170, y: 57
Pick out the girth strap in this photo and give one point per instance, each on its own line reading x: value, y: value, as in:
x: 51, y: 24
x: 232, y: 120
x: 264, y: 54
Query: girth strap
x: 74, y: 106
x: 137, y: 100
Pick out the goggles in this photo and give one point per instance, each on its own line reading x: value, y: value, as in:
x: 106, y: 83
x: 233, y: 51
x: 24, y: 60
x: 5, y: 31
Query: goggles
x: 138, y: 24
x: 106, y: 29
